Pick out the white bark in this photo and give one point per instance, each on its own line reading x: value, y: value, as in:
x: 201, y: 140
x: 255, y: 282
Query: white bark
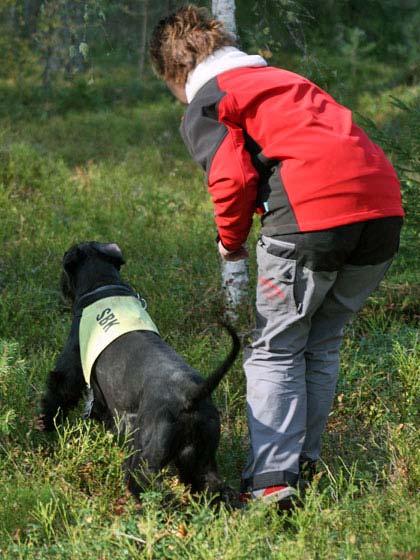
x: 235, y: 282
x: 225, y: 11
x: 235, y: 278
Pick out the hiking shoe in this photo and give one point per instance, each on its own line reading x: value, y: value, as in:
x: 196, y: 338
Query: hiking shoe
x: 283, y: 496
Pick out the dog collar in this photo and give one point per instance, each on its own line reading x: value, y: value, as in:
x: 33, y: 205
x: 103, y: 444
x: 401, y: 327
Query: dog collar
x: 104, y: 291
x: 105, y: 320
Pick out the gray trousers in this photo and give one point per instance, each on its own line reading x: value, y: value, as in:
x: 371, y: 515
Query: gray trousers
x: 292, y: 365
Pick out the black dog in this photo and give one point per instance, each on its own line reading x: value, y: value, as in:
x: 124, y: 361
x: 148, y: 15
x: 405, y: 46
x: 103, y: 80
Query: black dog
x: 137, y: 378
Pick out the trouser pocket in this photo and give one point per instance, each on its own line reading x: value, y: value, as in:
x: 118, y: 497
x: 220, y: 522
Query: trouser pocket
x: 277, y: 277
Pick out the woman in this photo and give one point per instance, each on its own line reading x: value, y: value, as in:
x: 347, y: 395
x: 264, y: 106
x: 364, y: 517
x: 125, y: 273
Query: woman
x: 274, y: 143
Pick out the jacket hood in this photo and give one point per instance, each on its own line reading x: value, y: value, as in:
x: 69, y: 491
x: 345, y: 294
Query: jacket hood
x: 222, y: 60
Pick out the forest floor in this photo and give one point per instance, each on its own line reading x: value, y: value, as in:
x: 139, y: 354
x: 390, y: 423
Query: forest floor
x: 110, y: 166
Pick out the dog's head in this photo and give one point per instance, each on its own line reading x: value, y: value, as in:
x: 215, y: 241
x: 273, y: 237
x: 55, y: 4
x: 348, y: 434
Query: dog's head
x: 101, y: 260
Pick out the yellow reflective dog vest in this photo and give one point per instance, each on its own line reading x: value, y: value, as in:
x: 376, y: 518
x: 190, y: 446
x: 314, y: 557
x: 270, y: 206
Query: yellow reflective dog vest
x: 106, y: 320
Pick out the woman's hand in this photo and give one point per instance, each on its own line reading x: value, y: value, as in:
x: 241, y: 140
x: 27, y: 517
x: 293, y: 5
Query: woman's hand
x: 238, y: 255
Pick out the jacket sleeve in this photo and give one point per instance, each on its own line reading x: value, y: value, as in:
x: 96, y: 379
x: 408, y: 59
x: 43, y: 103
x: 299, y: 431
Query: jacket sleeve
x: 233, y: 184
x: 232, y: 179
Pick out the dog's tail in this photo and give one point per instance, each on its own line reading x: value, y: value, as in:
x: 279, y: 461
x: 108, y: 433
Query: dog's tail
x: 204, y: 390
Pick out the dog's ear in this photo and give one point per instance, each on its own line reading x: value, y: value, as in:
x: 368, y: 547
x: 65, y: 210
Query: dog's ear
x: 66, y: 290
x: 112, y: 251
x: 72, y: 258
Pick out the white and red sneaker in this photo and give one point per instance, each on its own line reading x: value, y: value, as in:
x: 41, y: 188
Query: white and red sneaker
x: 284, y: 496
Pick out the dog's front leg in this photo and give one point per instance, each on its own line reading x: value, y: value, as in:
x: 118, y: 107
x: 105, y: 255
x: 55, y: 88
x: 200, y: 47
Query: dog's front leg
x: 64, y: 387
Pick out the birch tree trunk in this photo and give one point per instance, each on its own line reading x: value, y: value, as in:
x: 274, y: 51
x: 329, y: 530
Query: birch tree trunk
x: 224, y: 10
x: 235, y: 277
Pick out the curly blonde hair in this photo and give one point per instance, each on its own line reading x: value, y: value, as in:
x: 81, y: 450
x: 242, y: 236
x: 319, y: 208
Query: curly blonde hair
x: 183, y: 39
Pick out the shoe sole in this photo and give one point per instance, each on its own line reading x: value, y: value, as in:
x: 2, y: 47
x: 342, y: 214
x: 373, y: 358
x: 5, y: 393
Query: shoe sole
x: 284, y: 498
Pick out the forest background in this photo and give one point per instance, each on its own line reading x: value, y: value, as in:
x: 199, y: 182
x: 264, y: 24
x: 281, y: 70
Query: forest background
x: 89, y: 149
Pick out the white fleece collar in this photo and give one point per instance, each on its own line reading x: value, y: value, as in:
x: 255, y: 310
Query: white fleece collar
x: 222, y: 60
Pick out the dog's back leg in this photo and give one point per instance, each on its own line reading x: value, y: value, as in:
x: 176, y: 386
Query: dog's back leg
x: 152, y: 449
x: 199, y: 470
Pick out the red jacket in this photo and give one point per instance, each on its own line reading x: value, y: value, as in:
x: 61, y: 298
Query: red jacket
x: 270, y: 139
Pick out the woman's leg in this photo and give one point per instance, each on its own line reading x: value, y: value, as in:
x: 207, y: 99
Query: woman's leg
x: 275, y: 367
x: 352, y: 287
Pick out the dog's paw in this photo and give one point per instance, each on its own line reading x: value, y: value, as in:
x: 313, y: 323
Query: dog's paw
x: 230, y: 498
x: 42, y: 424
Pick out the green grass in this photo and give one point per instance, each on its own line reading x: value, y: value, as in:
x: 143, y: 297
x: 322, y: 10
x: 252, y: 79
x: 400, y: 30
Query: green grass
x: 118, y: 172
